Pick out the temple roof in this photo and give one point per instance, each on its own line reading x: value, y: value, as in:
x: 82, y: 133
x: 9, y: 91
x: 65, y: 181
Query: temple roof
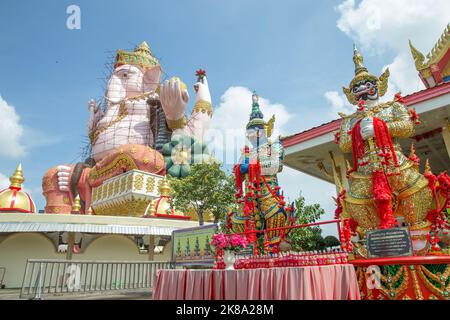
x: 331, y: 126
x: 308, y: 151
x: 434, y: 69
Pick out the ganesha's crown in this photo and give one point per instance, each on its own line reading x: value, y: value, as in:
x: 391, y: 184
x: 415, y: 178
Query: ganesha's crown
x: 141, y: 56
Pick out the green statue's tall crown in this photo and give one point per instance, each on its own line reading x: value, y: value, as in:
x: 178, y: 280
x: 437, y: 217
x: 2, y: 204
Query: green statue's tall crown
x: 256, y: 117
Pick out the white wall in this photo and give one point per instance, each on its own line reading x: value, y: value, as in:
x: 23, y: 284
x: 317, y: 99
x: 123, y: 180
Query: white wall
x: 17, y: 248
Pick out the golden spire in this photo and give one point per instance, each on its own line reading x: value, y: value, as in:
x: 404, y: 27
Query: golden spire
x: 17, y: 178
x: 358, y: 60
x: 144, y: 48
x: 76, y: 206
x: 164, y: 188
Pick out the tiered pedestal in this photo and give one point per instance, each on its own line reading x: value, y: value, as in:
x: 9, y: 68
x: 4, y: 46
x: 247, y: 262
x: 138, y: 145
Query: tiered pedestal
x: 404, y: 278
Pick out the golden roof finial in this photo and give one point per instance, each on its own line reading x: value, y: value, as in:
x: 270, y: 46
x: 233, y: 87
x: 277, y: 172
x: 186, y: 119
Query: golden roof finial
x: 418, y: 57
x: 17, y: 178
x: 76, y: 206
x: 164, y: 188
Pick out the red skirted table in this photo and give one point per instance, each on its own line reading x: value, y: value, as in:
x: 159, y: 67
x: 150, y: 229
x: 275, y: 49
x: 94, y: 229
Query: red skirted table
x: 330, y: 282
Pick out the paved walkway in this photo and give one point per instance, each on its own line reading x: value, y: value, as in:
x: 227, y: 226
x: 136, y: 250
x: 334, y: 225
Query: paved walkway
x: 13, y: 294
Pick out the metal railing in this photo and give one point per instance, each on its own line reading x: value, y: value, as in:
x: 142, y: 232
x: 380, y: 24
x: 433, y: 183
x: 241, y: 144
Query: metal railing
x: 45, y: 277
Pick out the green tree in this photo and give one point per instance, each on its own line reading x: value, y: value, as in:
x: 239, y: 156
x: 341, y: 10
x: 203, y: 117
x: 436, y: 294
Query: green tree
x: 309, y: 238
x: 331, y: 241
x: 207, y: 189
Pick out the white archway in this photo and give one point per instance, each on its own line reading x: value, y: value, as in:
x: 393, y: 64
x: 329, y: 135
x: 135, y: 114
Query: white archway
x: 17, y: 248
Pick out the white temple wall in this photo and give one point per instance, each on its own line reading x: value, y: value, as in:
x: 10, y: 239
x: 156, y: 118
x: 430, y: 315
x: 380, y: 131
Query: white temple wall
x: 15, y: 249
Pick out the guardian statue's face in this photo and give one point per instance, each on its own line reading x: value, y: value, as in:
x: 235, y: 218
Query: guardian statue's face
x: 253, y: 134
x: 365, y: 90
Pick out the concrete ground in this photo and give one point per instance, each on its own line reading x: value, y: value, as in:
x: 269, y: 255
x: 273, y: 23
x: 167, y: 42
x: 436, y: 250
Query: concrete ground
x: 13, y: 294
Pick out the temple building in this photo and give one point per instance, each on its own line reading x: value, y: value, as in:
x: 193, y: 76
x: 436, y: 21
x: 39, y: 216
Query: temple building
x: 115, y: 204
x: 314, y: 151
x: 24, y: 234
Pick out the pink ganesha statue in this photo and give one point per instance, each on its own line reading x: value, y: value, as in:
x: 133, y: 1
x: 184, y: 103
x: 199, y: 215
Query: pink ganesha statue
x: 140, y: 115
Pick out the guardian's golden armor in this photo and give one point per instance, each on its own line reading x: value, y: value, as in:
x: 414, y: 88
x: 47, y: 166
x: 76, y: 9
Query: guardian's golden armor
x: 411, y: 198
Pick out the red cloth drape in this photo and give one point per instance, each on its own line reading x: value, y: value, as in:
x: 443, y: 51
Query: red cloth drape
x: 381, y: 190
x: 332, y: 282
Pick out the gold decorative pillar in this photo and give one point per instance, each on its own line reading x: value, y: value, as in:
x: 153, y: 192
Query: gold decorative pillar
x: 339, y: 170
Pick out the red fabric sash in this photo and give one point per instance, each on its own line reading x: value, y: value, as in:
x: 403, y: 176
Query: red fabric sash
x: 380, y: 186
x: 383, y: 140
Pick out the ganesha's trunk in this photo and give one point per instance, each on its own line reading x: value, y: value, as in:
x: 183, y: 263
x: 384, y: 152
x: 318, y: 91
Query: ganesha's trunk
x: 163, y: 133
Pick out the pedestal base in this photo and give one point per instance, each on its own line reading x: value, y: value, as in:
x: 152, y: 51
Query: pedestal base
x: 406, y: 278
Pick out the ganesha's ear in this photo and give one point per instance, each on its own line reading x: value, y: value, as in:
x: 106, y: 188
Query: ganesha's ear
x: 152, y: 78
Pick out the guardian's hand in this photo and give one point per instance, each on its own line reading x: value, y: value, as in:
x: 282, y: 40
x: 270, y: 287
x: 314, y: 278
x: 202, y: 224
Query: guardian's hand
x: 367, y: 130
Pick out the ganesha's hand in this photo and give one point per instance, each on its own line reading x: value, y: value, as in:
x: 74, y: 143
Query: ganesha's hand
x: 63, y: 174
x: 173, y: 99
x: 367, y: 130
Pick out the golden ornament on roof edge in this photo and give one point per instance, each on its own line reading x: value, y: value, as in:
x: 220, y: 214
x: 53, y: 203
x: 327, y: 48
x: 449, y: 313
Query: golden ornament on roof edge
x: 14, y: 199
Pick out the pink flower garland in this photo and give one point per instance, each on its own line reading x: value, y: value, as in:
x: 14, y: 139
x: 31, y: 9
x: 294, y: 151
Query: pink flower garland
x: 233, y: 242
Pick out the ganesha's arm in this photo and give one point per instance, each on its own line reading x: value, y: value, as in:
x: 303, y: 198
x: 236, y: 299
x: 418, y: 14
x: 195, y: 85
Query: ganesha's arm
x: 402, y: 126
x: 345, y: 139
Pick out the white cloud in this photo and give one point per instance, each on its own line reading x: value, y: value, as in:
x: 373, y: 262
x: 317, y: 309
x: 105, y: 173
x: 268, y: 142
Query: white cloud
x: 338, y: 103
x: 227, y: 130
x: 4, y: 181
x: 11, y: 131
x: 385, y: 26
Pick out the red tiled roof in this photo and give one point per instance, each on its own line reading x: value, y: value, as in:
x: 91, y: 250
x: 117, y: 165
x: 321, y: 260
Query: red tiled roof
x: 334, y: 125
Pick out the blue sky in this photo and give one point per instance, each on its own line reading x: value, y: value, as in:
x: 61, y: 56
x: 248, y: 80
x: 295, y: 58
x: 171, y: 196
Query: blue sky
x: 291, y: 52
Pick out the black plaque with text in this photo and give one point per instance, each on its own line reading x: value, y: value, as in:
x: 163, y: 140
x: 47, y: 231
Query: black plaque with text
x: 392, y: 242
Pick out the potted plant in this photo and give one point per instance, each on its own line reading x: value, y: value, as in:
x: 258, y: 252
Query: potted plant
x: 228, y: 245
